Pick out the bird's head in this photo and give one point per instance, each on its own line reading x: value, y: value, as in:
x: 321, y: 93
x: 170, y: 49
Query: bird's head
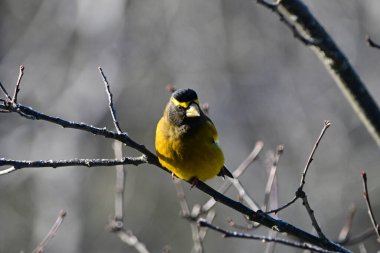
x: 183, y: 107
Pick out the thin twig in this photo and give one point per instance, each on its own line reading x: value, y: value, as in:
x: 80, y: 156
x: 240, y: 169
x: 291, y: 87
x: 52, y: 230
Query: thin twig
x: 116, y: 225
x: 110, y: 101
x: 270, y: 247
x: 314, y: 222
x: 245, y: 227
x: 20, y: 164
x: 170, y: 88
x: 198, y: 242
x: 362, y: 248
x: 273, y: 194
x: 237, y: 173
x: 300, y: 193
x: 17, y: 87
x: 118, y: 151
x: 129, y: 238
x: 264, y: 239
x: 284, y: 206
x: 371, y: 43
x: 345, y: 232
x: 375, y: 225
x: 5, y: 93
x: 244, y: 196
x: 271, y: 177
x: 119, y: 183
x: 355, y: 239
x: 52, y: 232
x: 327, y: 124
x: 31, y: 114
x: 185, y: 212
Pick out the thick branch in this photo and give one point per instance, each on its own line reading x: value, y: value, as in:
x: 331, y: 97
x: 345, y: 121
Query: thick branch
x: 336, y: 63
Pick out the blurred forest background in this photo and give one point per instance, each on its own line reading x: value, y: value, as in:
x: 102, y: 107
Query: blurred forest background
x: 260, y: 82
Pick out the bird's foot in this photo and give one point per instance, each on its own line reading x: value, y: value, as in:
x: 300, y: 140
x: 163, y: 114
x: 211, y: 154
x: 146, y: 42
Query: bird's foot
x: 194, y: 181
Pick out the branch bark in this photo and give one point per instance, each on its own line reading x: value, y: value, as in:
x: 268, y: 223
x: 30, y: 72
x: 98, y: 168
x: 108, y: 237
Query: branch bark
x: 334, y: 61
x: 151, y: 158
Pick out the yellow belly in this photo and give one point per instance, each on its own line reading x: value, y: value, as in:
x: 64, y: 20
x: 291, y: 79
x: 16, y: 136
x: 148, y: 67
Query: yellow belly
x: 196, y: 155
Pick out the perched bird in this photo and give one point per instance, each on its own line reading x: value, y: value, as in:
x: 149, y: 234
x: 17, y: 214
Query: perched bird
x: 187, y: 140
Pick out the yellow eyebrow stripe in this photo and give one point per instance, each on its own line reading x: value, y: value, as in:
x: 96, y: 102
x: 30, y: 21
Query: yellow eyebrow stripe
x: 184, y: 104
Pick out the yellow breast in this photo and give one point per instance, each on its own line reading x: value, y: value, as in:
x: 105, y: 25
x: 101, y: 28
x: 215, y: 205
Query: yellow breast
x: 194, y: 155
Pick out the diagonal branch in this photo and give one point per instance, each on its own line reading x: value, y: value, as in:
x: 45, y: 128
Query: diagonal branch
x: 5, y: 94
x: 237, y: 173
x: 371, y: 43
x: 17, y: 87
x: 345, y: 232
x: 355, y: 239
x: 375, y: 225
x: 52, y: 232
x: 310, y: 159
x: 272, y: 174
x: 110, y: 101
x: 300, y: 193
x: 274, y: 7
x: 334, y: 61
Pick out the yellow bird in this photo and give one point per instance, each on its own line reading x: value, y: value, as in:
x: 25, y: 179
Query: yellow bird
x: 187, y: 140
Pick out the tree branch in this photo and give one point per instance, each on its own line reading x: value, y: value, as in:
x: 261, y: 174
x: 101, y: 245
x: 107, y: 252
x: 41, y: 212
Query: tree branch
x: 345, y: 232
x: 300, y: 193
x: 151, y: 158
x: 19, y: 164
x: 264, y: 239
x: 334, y: 61
x: 237, y: 173
x: 110, y: 101
x: 271, y: 177
x: 375, y: 225
x: 52, y: 232
x: 29, y: 113
x: 17, y: 87
x: 371, y: 43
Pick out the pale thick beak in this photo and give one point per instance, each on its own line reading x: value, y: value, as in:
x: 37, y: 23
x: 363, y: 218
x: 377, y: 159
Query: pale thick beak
x: 192, y: 111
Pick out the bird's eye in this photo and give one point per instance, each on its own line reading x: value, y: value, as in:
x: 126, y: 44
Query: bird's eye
x: 179, y: 107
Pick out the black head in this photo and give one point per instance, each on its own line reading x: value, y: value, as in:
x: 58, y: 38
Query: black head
x: 183, y: 108
x: 185, y: 95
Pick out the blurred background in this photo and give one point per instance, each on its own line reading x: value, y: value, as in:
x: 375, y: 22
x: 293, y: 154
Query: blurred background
x: 260, y: 83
